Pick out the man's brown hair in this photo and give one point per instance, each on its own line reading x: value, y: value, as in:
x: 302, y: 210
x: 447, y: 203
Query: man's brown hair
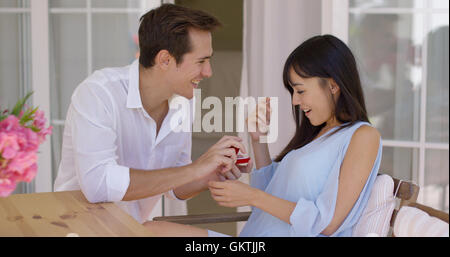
x: 167, y: 27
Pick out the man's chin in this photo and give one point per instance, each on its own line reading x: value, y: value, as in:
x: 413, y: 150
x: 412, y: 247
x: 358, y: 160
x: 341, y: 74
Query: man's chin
x: 188, y: 96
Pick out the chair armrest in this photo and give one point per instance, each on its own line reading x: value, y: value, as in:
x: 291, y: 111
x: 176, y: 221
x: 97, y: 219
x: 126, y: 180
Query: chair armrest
x: 431, y: 211
x: 205, y: 218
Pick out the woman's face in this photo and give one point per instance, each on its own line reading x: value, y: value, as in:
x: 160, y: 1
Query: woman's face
x: 314, y: 98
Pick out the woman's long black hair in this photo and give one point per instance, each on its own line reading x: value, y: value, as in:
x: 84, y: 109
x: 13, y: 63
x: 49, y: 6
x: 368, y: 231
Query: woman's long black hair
x: 325, y: 57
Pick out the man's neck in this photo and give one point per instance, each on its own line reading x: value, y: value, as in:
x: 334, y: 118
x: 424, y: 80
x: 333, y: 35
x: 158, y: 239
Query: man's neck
x: 154, y: 93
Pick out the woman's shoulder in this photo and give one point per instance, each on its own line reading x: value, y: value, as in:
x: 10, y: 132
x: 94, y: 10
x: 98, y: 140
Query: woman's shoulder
x: 367, y: 132
x: 362, y: 128
x: 361, y: 133
x: 366, y: 138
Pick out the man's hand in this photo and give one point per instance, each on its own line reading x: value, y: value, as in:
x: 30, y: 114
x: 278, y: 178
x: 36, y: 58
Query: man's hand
x: 220, y: 158
x: 236, y: 172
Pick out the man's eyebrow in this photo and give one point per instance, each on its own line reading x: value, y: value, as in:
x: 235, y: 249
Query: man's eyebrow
x: 206, y: 57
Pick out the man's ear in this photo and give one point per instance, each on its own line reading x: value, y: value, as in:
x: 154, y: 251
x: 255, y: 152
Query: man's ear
x: 163, y: 59
x: 334, y: 87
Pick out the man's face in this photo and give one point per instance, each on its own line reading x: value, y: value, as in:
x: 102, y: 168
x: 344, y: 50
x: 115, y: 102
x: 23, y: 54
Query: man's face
x: 195, y: 65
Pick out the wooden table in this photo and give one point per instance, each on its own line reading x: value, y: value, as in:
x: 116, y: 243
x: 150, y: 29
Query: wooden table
x: 57, y: 214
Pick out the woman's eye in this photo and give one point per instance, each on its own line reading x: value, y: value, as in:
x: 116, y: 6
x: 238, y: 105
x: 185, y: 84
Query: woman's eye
x: 300, y: 92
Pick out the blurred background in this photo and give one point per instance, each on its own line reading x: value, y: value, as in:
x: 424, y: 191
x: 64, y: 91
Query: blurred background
x: 401, y: 46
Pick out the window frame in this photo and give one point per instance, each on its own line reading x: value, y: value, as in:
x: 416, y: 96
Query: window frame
x: 335, y: 21
x: 40, y: 69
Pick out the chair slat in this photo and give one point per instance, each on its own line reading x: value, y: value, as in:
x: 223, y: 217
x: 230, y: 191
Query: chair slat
x: 206, y: 218
x: 408, y: 191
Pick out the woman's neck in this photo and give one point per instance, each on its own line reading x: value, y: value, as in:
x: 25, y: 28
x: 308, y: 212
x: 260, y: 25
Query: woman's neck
x: 328, y: 125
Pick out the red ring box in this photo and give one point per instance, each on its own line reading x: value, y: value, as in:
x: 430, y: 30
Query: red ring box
x: 243, y: 161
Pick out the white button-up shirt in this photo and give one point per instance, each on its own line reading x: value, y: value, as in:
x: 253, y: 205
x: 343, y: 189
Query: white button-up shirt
x: 107, y: 132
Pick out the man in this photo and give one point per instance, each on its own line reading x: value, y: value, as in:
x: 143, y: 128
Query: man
x: 118, y: 143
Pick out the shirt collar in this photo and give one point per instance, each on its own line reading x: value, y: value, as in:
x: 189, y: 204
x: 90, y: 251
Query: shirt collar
x: 134, y: 96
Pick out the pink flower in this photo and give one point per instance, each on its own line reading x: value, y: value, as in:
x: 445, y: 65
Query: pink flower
x: 44, y: 132
x: 31, y: 140
x: 20, y: 138
x: 6, y: 187
x: 22, y: 162
x: 39, y: 120
x: 30, y: 173
x: 8, y: 145
x: 10, y: 123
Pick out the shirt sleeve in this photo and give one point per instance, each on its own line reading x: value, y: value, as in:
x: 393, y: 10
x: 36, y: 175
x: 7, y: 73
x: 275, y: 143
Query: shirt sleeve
x: 184, y: 159
x: 260, y: 178
x: 101, y: 179
x: 310, y: 218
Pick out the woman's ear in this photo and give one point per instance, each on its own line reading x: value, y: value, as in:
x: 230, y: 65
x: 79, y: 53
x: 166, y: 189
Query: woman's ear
x: 334, y: 87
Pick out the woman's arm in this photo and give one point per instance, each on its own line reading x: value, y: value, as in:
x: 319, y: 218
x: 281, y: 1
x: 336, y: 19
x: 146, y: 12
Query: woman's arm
x: 262, y: 156
x: 234, y: 193
x: 261, y: 150
x: 275, y: 206
x: 355, y: 169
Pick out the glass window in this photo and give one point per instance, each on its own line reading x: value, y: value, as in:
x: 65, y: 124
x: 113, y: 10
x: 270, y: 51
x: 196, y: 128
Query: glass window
x: 400, y: 163
x: 68, y: 62
x: 386, y: 47
x: 9, y: 59
x: 80, y: 43
x: 68, y: 67
x: 15, y: 62
x: 116, y: 3
x: 67, y: 4
x: 437, y: 80
x: 439, y: 4
x: 118, y: 28
x: 386, y: 3
x: 14, y: 3
x: 402, y: 55
x: 435, y: 190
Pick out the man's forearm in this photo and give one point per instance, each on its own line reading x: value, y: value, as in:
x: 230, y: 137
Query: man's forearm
x: 144, y: 183
x: 193, y: 188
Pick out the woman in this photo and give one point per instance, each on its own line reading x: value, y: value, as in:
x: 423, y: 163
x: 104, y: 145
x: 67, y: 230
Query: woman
x: 320, y: 183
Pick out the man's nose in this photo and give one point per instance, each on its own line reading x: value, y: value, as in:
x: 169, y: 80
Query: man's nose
x: 207, y: 71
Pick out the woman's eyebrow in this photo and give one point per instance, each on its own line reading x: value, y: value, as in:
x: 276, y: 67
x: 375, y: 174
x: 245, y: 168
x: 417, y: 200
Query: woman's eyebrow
x: 296, y: 84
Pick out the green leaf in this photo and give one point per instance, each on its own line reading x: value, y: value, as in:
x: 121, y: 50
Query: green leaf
x: 35, y: 129
x: 19, y: 105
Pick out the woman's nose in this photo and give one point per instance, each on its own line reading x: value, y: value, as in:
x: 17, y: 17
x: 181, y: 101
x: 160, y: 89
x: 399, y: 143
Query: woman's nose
x: 295, y: 100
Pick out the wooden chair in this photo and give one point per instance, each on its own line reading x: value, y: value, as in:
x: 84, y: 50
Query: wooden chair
x: 407, y: 193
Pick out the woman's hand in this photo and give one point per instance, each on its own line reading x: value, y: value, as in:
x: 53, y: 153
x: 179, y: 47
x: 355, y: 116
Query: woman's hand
x: 259, y: 121
x: 233, y: 193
